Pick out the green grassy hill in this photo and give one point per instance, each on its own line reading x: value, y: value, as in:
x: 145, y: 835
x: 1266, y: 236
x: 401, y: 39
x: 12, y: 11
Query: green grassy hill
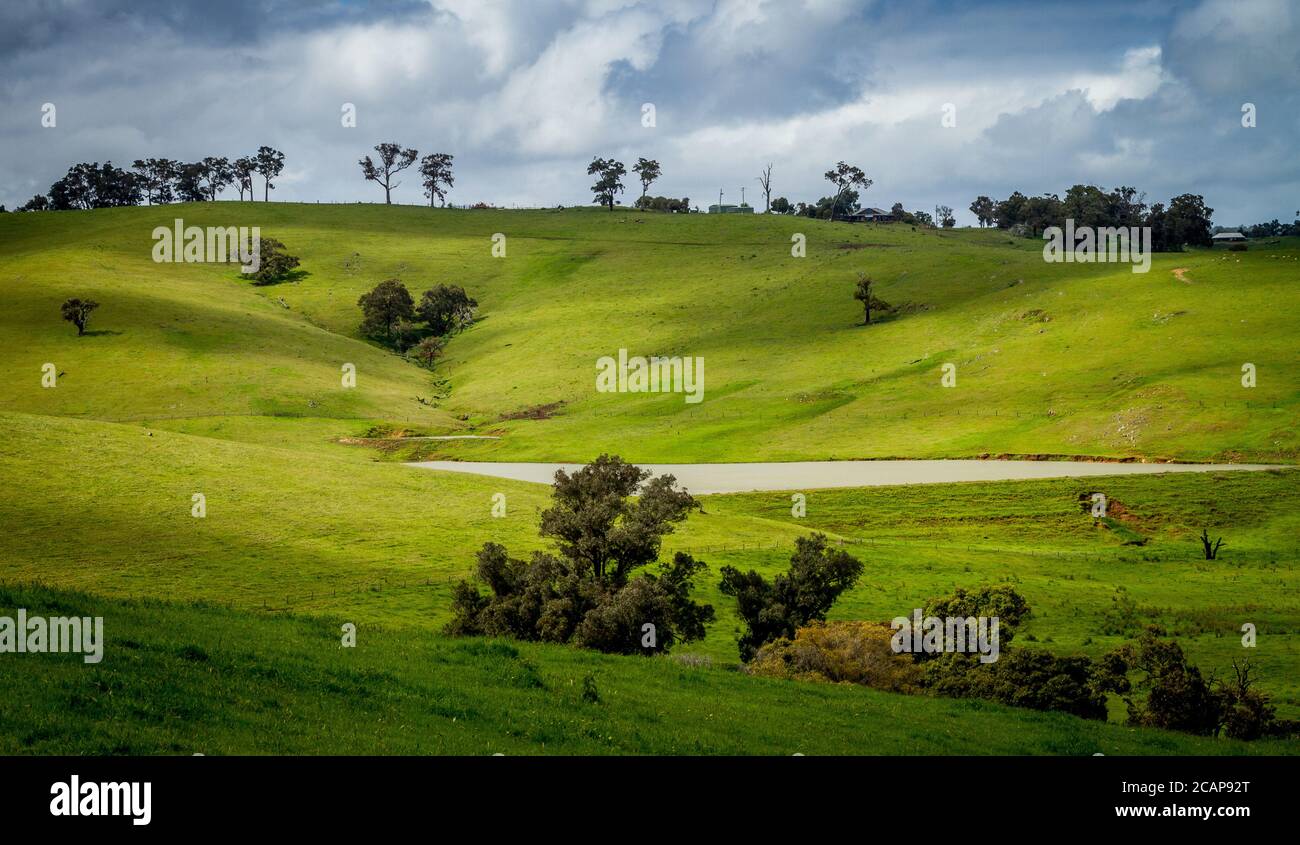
x: 184, y: 680
x: 324, y: 533
x: 1064, y: 359
x: 194, y: 381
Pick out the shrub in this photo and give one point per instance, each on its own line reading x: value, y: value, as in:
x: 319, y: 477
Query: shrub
x: 586, y: 594
x: 590, y: 694
x: 427, y: 351
x: 840, y: 652
x: 405, y: 335
x: 1178, y: 697
x: 1031, y: 678
x: 1001, y: 601
x: 276, y: 263
x: 668, y: 204
x: 771, y: 610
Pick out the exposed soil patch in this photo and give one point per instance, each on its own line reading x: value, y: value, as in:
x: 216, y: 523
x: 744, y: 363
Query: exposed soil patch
x: 383, y: 444
x: 536, y: 412
x: 1092, y: 459
x: 1117, y: 511
x: 1180, y: 275
x: 388, y: 438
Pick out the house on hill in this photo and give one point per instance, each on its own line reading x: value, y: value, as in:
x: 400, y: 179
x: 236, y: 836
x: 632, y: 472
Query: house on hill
x: 871, y: 215
x: 743, y: 208
x: 1228, y: 238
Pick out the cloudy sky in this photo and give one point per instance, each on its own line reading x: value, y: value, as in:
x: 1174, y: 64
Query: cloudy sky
x: 525, y: 92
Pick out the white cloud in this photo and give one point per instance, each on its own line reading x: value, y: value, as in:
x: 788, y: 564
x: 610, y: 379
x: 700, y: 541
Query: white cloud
x: 524, y: 93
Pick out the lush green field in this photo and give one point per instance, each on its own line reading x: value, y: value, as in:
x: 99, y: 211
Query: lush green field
x: 1051, y: 358
x: 382, y: 543
x: 183, y: 680
x: 193, y: 381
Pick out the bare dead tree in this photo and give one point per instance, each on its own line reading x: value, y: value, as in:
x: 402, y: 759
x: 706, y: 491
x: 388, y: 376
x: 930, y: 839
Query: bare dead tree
x: 766, y: 181
x: 1211, y: 550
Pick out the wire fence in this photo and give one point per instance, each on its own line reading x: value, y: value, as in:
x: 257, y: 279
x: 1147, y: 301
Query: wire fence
x: 697, y: 413
x: 900, y: 551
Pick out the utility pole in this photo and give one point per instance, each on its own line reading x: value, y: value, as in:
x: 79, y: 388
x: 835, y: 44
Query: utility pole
x: 719, y: 200
x: 742, y: 196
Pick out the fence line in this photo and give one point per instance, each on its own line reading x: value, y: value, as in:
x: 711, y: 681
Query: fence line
x: 1114, y: 555
x: 695, y: 413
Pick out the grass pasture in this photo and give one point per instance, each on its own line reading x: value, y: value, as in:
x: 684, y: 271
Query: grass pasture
x: 188, y: 679
x: 194, y: 381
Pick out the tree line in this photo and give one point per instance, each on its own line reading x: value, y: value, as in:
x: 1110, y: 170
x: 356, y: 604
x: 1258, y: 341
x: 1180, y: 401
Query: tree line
x: 158, y: 181
x: 1271, y: 229
x: 1185, y: 220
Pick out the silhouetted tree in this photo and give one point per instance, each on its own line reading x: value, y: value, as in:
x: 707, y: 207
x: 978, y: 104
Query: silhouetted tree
x: 217, y: 173
x: 189, y: 182
x: 609, y: 182
x: 95, y: 186
x: 241, y: 171
x: 269, y: 162
x: 845, y: 177
x: 765, y: 180
x: 647, y: 170
x: 983, y: 209
x: 435, y: 169
x: 156, y: 176
x: 393, y: 158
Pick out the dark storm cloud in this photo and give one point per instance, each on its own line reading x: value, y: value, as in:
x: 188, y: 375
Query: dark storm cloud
x: 525, y: 93
x: 35, y: 24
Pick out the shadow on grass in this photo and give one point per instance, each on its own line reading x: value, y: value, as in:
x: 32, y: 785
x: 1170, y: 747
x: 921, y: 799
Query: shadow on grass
x: 292, y: 276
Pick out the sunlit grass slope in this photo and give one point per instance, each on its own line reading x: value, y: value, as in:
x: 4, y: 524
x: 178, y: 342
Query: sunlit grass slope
x: 1050, y: 358
x: 107, y: 508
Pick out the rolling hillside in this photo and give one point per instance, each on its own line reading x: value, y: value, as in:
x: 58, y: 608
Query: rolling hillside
x: 284, y: 686
x: 1051, y: 359
x: 193, y: 381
